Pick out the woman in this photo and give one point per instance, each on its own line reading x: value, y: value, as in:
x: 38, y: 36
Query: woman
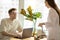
x: 52, y: 23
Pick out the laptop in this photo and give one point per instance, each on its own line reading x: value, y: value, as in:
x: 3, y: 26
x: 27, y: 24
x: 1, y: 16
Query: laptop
x: 27, y: 32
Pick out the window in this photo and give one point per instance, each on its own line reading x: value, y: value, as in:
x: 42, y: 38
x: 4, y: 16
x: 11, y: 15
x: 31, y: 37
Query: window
x: 5, y: 5
x: 58, y: 3
x: 37, y: 5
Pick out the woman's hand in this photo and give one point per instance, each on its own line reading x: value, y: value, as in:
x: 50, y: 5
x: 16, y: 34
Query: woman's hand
x: 41, y: 24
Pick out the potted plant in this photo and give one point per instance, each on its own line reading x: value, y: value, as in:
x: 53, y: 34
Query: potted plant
x: 31, y: 16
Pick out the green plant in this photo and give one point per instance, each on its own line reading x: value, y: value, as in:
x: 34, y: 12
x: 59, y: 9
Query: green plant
x: 31, y: 16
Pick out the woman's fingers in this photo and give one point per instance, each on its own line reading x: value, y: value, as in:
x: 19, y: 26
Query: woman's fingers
x: 40, y: 24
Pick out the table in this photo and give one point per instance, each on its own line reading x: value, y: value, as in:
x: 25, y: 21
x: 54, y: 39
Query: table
x: 31, y: 38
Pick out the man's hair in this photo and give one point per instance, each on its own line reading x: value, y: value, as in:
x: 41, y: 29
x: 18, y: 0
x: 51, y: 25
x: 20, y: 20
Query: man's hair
x: 10, y: 10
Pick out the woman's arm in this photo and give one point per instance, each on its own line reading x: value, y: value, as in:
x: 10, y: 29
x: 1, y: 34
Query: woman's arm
x: 41, y: 24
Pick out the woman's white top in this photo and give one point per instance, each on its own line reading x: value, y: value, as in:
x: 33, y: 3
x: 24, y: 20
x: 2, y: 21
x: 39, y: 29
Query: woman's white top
x: 52, y: 25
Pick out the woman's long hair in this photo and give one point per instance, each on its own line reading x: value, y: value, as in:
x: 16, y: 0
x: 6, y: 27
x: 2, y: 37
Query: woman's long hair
x: 54, y: 6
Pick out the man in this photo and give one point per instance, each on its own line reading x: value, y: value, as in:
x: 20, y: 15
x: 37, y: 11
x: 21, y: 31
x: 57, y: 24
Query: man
x: 9, y: 26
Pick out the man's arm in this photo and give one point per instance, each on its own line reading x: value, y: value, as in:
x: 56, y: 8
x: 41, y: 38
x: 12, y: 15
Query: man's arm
x: 4, y: 28
x: 8, y: 34
x: 19, y: 29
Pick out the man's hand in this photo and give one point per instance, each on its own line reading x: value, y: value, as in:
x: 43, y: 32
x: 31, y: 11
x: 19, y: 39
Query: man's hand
x: 8, y: 34
x: 19, y: 34
x: 11, y: 34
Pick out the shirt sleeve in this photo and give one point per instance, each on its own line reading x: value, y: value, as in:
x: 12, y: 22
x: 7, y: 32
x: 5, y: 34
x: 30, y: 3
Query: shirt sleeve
x: 51, y: 18
x: 19, y: 27
x: 3, y: 26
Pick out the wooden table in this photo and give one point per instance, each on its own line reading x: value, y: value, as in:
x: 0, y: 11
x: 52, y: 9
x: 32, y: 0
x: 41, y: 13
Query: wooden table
x: 31, y: 38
